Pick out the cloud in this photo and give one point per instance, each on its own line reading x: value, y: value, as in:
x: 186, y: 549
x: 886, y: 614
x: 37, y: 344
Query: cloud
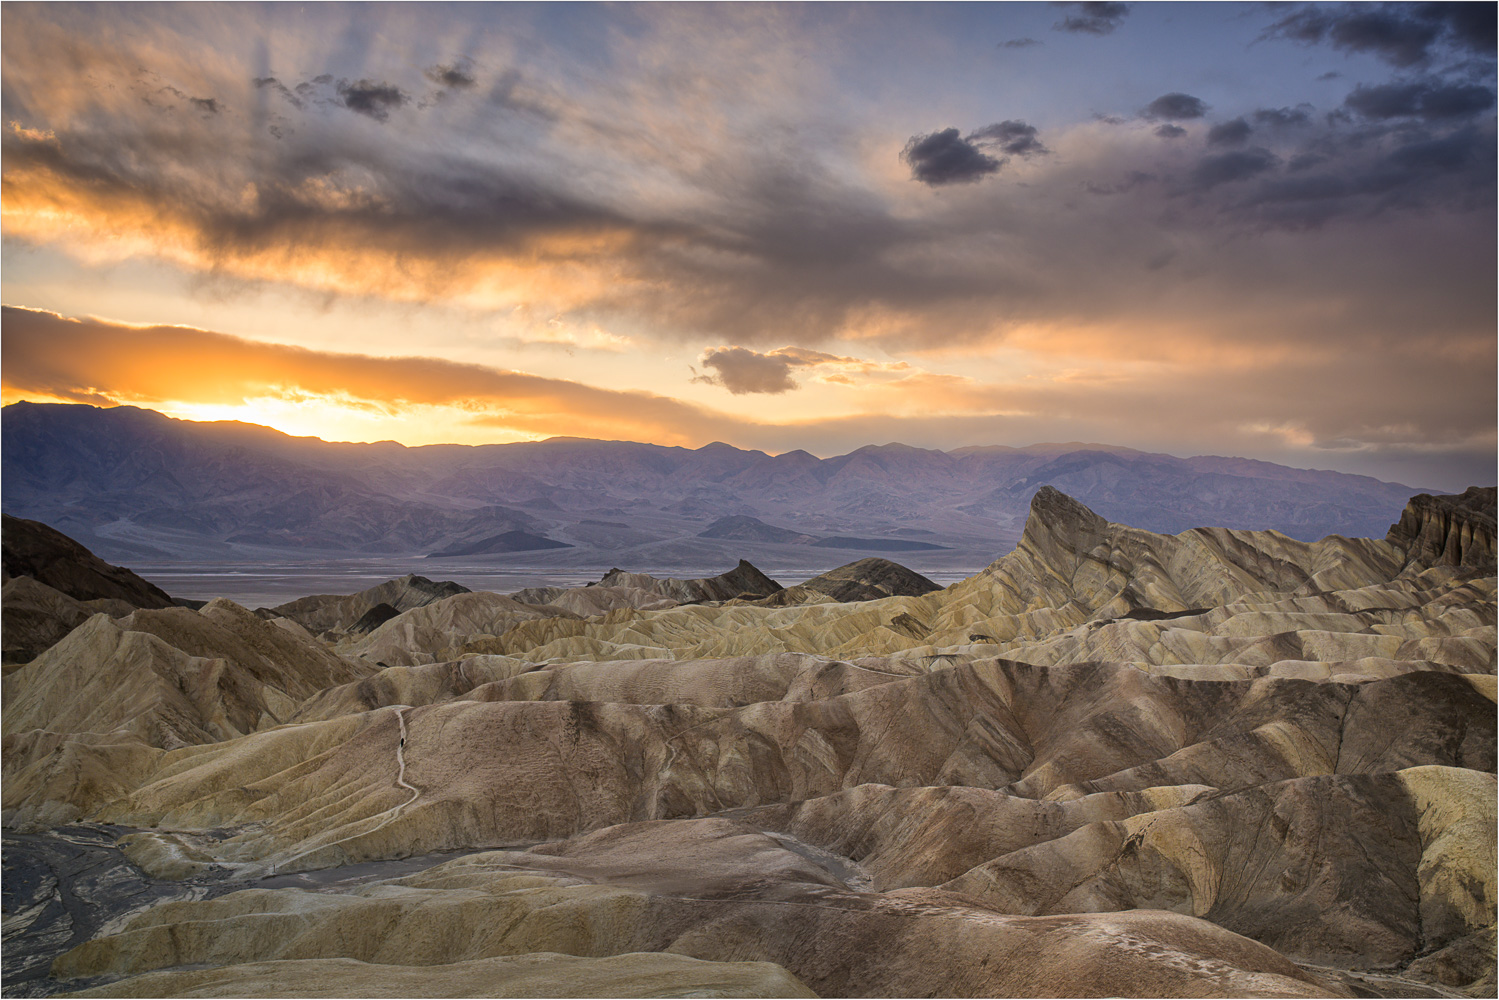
x: 373, y: 100
x: 945, y: 157
x: 457, y: 76
x: 1428, y: 98
x: 1092, y: 18
x: 1176, y: 107
x: 1169, y: 131
x: 1227, y: 168
x: 743, y: 371
x: 1015, y: 138
x: 733, y: 214
x: 1234, y: 132
x: 98, y: 361
x: 1284, y: 117
x: 1332, y: 406
x: 1403, y: 35
x: 275, y: 85
x: 1018, y: 43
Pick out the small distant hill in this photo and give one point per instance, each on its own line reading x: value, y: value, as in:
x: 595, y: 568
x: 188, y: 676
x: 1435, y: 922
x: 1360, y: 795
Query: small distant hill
x: 743, y: 528
x: 321, y: 612
x: 507, y: 541
x: 871, y: 579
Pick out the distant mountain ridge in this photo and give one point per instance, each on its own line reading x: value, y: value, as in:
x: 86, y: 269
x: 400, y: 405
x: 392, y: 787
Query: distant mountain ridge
x: 134, y: 484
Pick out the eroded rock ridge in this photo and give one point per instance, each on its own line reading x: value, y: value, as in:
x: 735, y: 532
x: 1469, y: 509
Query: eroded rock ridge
x: 1217, y: 763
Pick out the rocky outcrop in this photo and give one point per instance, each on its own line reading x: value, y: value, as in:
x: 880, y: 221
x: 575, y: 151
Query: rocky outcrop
x: 171, y: 677
x: 743, y: 581
x: 326, y: 612
x: 47, y: 555
x: 869, y: 580
x: 1447, y: 530
x: 431, y: 632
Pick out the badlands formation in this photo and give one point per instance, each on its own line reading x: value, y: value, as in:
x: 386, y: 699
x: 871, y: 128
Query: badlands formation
x: 1219, y: 763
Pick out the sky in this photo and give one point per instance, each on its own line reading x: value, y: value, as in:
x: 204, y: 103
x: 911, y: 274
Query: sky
x: 1229, y: 229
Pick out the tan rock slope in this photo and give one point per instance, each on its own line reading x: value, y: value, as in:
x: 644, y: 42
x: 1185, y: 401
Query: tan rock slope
x: 36, y: 616
x: 53, y: 585
x: 327, y: 612
x: 712, y: 890
x: 1112, y: 763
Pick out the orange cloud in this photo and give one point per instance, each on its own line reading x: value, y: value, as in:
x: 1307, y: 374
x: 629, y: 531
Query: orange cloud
x: 205, y: 375
x: 47, y: 356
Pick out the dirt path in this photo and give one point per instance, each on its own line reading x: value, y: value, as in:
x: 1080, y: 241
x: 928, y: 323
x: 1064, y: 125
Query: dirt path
x: 278, y: 861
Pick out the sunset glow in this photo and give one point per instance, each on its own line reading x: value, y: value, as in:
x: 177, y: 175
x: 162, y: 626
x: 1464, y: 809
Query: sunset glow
x: 781, y: 227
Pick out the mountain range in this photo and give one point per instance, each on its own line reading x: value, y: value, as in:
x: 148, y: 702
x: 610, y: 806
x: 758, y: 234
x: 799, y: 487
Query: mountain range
x: 134, y: 484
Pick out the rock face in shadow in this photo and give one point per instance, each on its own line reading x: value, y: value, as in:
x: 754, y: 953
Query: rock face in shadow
x: 1131, y: 763
x: 48, y: 556
x: 1448, y: 530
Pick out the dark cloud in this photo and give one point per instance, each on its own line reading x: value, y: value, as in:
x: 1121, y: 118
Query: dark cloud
x: 742, y: 371
x: 1132, y: 180
x: 1466, y: 25
x: 455, y: 77
x: 1331, y: 74
x: 374, y: 100
x: 1226, y: 168
x: 207, y: 105
x: 1014, y: 138
x: 271, y: 83
x: 1234, y: 132
x: 945, y: 157
x: 1018, y: 43
x: 1169, y: 131
x: 1176, y: 107
x: 1427, y: 98
x: 1284, y: 117
x: 1398, y: 170
x: 1092, y: 18
x: 1442, y: 154
x: 1401, y: 34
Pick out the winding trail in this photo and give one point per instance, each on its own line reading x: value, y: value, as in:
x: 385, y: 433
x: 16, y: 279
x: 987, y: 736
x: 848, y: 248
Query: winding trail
x: 385, y: 817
